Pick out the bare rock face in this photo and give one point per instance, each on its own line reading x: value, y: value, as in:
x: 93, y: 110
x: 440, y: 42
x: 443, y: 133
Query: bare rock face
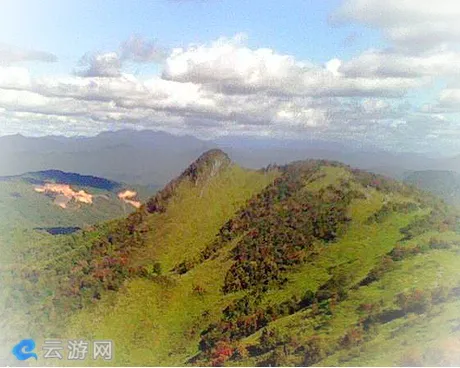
x: 208, y: 165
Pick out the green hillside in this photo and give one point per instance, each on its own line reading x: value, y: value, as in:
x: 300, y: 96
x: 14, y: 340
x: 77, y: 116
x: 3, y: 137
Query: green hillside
x: 311, y: 263
x: 21, y: 206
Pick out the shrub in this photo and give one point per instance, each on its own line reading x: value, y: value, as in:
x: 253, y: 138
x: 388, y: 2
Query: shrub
x: 369, y: 308
x: 307, y: 299
x: 399, y: 252
x: 385, y: 265
x: 335, y: 287
x: 277, y: 358
x: 240, y: 352
x: 372, y: 316
x: 157, y: 268
x: 322, y: 295
x: 415, y: 301
x: 380, y: 216
x: 151, y: 270
x: 315, y: 351
x: 199, y: 290
x: 348, y: 355
x: 439, y: 294
x: 279, y: 228
x: 221, y: 353
x: 435, y: 243
x: 269, y: 339
x: 352, y: 337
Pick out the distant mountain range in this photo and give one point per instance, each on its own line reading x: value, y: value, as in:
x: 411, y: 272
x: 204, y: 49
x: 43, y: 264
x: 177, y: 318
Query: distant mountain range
x: 147, y: 158
x: 61, y: 177
x: 445, y: 184
x: 154, y: 158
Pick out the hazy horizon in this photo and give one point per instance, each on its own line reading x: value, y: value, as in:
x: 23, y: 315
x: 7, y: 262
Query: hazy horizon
x: 255, y: 142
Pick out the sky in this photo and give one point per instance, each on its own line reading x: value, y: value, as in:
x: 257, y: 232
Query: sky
x: 382, y: 73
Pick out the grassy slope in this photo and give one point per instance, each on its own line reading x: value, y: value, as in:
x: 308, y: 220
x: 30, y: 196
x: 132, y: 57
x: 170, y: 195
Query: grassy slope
x: 397, y: 337
x: 147, y: 320
x: 21, y: 210
x: 196, y: 213
x: 360, y: 250
x: 164, y: 322
x: 159, y: 321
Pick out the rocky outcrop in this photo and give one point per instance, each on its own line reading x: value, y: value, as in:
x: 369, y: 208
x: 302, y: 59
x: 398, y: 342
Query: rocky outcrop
x: 208, y: 165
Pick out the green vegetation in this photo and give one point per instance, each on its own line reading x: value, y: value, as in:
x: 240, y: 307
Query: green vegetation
x: 22, y: 207
x: 311, y: 263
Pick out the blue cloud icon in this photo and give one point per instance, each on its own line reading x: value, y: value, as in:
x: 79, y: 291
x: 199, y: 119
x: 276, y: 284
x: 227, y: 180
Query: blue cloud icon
x: 24, y: 350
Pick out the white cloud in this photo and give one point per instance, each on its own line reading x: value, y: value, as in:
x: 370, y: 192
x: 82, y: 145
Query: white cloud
x: 100, y: 65
x: 226, y: 87
x: 382, y: 64
x: 14, y: 77
x: 375, y: 105
x: 10, y: 55
x: 423, y: 40
x: 109, y: 64
x: 333, y: 66
x: 141, y: 50
x: 229, y: 67
x: 412, y: 25
x: 448, y: 102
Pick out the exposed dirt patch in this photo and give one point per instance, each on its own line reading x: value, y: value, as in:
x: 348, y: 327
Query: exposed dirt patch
x: 129, y: 196
x: 64, y: 194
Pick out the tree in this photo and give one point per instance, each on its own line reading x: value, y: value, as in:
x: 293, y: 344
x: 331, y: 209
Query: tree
x: 157, y: 268
x: 269, y: 339
x: 315, y: 351
x: 307, y: 299
x: 240, y: 352
x: 277, y: 358
x: 416, y: 301
x: 352, y: 337
x: 221, y: 353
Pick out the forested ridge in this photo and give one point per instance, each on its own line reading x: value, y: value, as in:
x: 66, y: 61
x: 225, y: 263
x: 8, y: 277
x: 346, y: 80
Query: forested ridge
x: 307, y: 263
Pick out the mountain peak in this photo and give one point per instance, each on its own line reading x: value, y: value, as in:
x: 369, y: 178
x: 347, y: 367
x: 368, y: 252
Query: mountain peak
x: 215, y: 155
x: 208, y: 165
